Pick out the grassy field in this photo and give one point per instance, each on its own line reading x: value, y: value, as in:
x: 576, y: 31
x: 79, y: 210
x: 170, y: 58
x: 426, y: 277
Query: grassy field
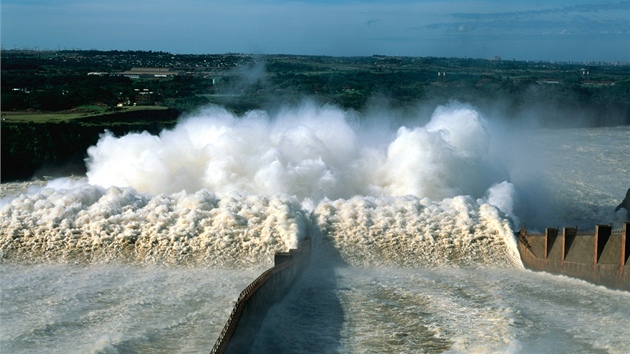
x: 81, y: 112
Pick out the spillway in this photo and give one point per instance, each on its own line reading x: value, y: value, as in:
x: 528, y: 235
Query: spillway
x: 412, y: 231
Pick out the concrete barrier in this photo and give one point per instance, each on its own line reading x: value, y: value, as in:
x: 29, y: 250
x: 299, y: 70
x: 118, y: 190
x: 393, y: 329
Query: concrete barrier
x: 257, y: 298
x: 600, y: 257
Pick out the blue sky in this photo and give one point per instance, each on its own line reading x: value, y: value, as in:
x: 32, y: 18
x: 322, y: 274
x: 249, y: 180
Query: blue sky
x: 512, y: 29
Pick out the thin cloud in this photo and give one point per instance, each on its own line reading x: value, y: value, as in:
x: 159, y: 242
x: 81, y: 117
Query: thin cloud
x: 322, y: 27
x: 560, y: 10
x: 557, y: 20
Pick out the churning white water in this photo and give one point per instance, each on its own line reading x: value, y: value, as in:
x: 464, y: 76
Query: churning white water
x: 446, y: 310
x: 60, y: 308
x: 150, y: 249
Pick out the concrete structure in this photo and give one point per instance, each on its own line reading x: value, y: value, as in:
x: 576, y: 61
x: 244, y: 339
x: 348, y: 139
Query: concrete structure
x: 600, y: 257
x: 144, y: 97
x: 149, y: 73
x: 255, y: 301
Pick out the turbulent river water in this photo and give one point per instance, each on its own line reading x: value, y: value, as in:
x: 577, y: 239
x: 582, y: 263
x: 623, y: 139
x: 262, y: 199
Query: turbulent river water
x: 413, y: 229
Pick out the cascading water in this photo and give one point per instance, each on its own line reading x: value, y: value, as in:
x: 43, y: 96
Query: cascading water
x: 224, y: 193
x: 219, y: 189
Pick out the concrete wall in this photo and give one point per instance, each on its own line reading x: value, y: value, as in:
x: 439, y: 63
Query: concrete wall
x: 257, y: 298
x: 600, y: 257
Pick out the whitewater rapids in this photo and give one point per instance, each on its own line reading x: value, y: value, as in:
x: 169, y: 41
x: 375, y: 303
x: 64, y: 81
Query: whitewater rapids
x: 148, y: 252
x: 230, y: 191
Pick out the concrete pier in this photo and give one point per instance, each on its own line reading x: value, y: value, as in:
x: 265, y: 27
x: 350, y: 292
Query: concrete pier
x: 257, y: 298
x: 600, y: 257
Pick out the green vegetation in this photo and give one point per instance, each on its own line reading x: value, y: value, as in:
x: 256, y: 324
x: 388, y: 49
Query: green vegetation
x: 55, y: 104
x: 74, y: 80
x: 81, y: 112
x: 59, y: 148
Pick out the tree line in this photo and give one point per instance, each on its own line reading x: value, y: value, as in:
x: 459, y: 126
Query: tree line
x: 560, y: 94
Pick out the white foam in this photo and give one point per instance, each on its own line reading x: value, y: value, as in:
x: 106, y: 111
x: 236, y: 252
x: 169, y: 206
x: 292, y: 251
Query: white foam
x: 309, y: 152
x: 301, y: 153
x: 91, y: 223
x: 225, y: 189
x: 61, y: 308
x: 405, y: 231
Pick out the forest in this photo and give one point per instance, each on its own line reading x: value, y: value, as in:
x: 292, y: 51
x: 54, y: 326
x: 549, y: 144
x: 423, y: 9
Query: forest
x: 55, y: 104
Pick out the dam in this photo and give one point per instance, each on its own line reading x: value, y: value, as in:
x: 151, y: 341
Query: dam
x: 255, y: 300
x: 413, y: 240
x: 600, y: 257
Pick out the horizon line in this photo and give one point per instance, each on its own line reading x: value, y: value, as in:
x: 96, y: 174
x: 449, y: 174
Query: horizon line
x: 496, y: 58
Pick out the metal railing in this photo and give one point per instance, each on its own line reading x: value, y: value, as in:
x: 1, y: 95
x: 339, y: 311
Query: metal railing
x: 298, y: 256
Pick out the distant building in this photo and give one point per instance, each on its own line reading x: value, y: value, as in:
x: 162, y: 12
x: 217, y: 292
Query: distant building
x: 149, y: 73
x: 598, y: 83
x: 144, y: 97
x: 548, y: 81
